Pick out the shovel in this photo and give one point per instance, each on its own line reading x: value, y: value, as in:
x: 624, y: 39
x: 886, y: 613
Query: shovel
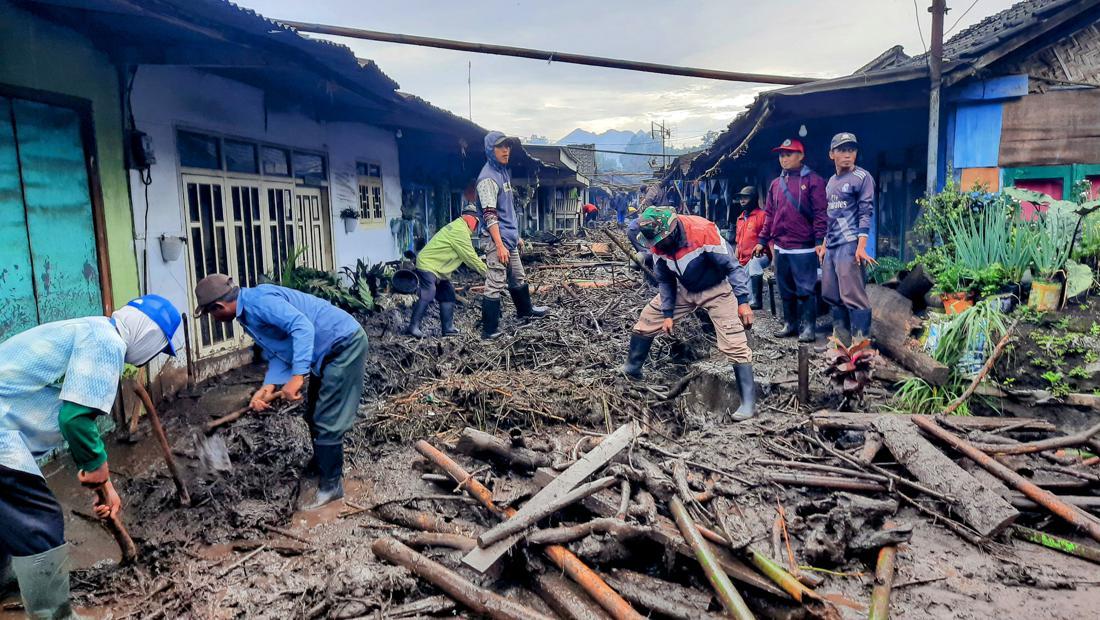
x: 210, y: 446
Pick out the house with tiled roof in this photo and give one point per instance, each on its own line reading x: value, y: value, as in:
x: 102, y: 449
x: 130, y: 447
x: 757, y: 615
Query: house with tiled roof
x: 1020, y: 106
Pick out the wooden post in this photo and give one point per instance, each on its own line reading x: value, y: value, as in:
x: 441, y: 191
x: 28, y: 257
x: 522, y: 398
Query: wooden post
x: 803, y: 373
x: 935, y: 61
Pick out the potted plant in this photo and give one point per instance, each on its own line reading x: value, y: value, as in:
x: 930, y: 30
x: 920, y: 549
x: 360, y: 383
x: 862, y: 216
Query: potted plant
x: 951, y: 282
x: 351, y: 219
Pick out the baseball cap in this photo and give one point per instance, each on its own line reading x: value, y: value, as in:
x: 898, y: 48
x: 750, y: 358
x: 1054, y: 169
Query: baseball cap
x: 748, y: 190
x: 843, y: 138
x: 210, y: 289
x: 469, y: 209
x: 790, y: 144
x: 503, y: 139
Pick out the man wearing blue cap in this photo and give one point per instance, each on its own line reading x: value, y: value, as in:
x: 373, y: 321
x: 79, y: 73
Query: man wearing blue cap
x: 54, y: 380
x: 851, y: 199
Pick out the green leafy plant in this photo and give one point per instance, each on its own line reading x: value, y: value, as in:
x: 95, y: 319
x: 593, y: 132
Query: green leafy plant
x: 323, y: 284
x: 976, y: 327
x: 918, y: 396
x: 886, y: 269
x: 1079, y: 372
x: 1057, y: 383
x: 951, y: 278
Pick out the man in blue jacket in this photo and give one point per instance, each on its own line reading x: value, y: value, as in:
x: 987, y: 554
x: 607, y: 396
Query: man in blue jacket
x: 500, y: 238
x: 300, y: 335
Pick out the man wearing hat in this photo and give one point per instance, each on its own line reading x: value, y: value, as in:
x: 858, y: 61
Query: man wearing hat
x: 851, y: 195
x: 500, y: 238
x: 449, y: 249
x: 300, y: 335
x: 747, y: 235
x: 794, y: 225
x: 695, y: 268
x: 55, y: 379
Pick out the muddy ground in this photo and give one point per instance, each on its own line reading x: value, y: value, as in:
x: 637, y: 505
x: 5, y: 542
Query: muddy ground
x: 555, y: 382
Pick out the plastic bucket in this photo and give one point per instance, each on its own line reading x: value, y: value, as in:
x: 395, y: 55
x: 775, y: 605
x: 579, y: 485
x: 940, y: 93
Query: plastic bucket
x: 405, y: 281
x: 1045, y: 296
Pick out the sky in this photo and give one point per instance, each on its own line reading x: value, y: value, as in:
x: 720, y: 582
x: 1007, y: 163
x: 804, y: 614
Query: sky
x: 814, y: 38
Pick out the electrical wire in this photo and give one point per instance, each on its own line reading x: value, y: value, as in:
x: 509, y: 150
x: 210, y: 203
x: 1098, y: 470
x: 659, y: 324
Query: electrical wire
x: 916, y: 15
x: 972, y: 4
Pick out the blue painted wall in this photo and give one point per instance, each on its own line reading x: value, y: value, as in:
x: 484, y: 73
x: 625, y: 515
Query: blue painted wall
x: 977, y: 135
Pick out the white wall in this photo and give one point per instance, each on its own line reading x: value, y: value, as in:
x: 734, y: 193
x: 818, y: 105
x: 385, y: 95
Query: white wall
x: 167, y: 98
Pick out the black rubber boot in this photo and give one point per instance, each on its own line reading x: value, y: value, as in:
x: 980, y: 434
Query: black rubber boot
x: 419, y: 310
x: 842, y: 326
x: 861, y: 324
x: 330, y: 487
x: 635, y: 358
x: 757, y: 282
x: 521, y: 297
x: 490, y: 318
x: 447, y: 318
x: 746, y: 386
x: 807, y: 307
x: 790, y: 318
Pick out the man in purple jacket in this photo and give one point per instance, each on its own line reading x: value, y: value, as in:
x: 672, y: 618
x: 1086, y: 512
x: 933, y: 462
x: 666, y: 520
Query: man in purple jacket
x: 794, y: 225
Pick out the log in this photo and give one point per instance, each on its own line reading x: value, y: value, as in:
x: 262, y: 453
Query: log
x: 731, y: 599
x: 1081, y: 501
x: 832, y: 469
x: 980, y: 506
x: 1045, y: 498
x: 564, y: 559
x: 826, y: 482
x: 663, y: 532
x: 884, y: 582
x: 566, y: 599
x: 841, y: 420
x: 477, y: 599
x: 482, y: 559
x: 475, y: 442
x: 431, y: 606
x: 602, y: 525
x: 1055, y: 443
x: 872, y: 443
x: 894, y: 321
x: 519, y: 523
x: 662, y: 597
x: 162, y: 442
x: 418, y: 520
x: 1092, y: 554
x: 434, y: 539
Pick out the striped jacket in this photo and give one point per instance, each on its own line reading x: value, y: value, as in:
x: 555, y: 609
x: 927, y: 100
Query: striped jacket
x: 701, y: 262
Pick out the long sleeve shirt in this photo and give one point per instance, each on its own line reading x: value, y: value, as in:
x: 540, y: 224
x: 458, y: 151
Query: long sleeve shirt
x: 749, y: 224
x: 79, y: 428
x: 296, y: 331
x: 851, y: 206
x: 449, y: 249
x: 701, y: 262
x: 797, y: 212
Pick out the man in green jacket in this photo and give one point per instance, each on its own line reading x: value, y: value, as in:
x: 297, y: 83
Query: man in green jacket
x: 449, y: 249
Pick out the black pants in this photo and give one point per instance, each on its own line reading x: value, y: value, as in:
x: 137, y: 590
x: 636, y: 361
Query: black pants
x: 31, y: 521
x: 433, y: 287
x: 796, y: 274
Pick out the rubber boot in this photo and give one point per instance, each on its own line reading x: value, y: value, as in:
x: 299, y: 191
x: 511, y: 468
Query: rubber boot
x: 330, y: 487
x: 447, y: 318
x: 636, y: 356
x: 746, y: 386
x: 790, y: 318
x: 861, y: 324
x: 757, y: 282
x: 842, y: 326
x: 9, y: 585
x: 807, y: 307
x: 521, y: 297
x: 419, y: 310
x: 490, y: 318
x: 44, y: 584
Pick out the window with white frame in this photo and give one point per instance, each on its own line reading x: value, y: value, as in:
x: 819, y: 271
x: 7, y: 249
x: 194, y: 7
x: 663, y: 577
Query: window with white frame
x: 372, y: 208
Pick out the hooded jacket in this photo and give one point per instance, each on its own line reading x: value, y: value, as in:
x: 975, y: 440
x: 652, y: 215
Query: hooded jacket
x: 494, y: 196
x: 800, y: 220
x: 702, y: 260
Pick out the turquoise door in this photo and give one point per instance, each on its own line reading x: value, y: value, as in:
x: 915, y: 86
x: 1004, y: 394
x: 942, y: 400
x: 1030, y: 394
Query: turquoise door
x: 48, y: 256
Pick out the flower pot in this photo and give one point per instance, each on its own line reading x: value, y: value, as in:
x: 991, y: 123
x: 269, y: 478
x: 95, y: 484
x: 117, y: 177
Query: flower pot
x: 954, y: 303
x: 1045, y: 296
x: 350, y: 224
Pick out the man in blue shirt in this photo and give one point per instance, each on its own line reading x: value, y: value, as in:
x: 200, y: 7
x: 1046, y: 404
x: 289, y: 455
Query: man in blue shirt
x: 300, y: 334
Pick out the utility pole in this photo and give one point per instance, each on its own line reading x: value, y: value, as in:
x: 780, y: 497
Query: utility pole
x: 470, y: 87
x: 935, y: 65
x: 654, y: 129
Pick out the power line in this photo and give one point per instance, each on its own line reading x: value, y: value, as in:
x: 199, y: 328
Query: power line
x: 972, y: 4
x: 916, y: 14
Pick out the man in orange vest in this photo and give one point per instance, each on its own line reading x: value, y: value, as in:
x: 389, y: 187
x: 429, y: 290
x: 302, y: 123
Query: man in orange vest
x: 746, y: 237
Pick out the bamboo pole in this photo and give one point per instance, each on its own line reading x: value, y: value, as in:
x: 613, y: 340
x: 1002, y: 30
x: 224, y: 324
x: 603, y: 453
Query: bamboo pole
x: 564, y: 559
x: 1040, y: 496
x: 731, y: 599
x: 884, y: 582
x: 1092, y: 554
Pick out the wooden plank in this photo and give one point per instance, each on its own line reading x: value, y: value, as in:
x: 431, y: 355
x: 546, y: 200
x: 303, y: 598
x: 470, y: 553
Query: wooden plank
x: 481, y: 559
x: 841, y: 420
x: 665, y: 533
x: 980, y: 505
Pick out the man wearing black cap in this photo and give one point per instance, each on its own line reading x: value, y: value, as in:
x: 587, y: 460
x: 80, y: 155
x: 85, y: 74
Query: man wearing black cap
x: 448, y: 249
x: 851, y: 194
x: 747, y: 234
x: 300, y: 335
x: 794, y: 227
x: 500, y: 238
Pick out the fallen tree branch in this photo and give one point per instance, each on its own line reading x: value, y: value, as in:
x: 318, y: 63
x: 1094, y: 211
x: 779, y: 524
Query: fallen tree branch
x: 1041, y: 446
x: 602, y: 525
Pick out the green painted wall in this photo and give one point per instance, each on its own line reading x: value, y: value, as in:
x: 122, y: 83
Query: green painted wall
x: 43, y: 56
